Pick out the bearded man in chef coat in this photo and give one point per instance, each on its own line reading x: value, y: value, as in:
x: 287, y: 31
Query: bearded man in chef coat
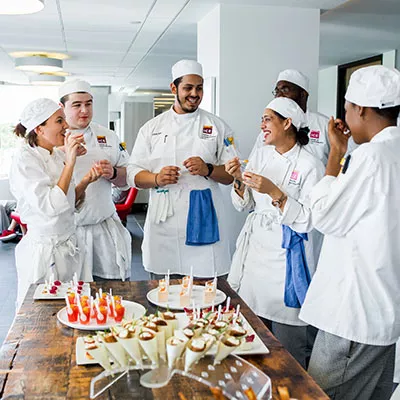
x: 105, y: 243
x: 179, y: 156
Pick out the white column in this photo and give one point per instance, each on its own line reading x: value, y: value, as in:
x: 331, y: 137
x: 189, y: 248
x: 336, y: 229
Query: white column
x: 245, y: 47
x: 100, y: 104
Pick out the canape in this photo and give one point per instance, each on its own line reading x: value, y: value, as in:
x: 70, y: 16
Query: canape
x: 175, y: 347
x: 226, y: 345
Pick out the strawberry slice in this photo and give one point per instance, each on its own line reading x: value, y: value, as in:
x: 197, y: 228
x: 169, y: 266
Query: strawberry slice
x: 57, y: 283
x: 80, y: 283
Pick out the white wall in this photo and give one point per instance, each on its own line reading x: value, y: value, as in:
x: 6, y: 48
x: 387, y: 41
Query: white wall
x: 100, y: 104
x: 327, y: 91
x: 389, y: 59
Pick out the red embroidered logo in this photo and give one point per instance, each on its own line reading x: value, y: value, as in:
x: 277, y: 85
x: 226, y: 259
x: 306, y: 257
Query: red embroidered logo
x: 101, y: 140
x: 207, y: 129
x: 314, y: 134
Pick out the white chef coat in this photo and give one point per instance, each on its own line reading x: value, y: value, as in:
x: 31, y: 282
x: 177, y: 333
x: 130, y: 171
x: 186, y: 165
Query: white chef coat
x: 318, y: 144
x: 259, y: 264
x: 355, y: 291
x: 106, y: 244
x: 50, y: 245
x: 169, y: 139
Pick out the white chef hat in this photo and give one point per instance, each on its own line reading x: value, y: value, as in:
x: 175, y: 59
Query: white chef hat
x: 186, y: 67
x: 374, y: 86
x: 289, y: 109
x: 74, y: 86
x: 296, y: 77
x: 36, y: 112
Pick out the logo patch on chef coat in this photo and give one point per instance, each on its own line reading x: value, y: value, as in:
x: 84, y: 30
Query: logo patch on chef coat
x: 207, y: 129
x: 122, y: 146
x: 208, y: 132
x: 315, y: 137
x: 294, y: 178
x: 101, y: 140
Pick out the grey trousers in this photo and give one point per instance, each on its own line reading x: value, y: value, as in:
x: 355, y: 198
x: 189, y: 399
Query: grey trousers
x: 349, y: 370
x: 297, y: 340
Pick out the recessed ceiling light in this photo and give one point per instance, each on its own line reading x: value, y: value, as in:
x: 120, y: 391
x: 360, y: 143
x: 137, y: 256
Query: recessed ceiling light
x: 15, y: 7
x: 38, y: 64
x: 18, y: 54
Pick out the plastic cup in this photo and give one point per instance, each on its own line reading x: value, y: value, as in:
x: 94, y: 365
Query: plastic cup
x: 103, y: 312
x: 86, y: 312
x: 119, y: 312
x: 73, y: 316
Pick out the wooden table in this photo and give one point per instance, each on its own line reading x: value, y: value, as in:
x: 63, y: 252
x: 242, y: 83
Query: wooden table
x: 37, y: 359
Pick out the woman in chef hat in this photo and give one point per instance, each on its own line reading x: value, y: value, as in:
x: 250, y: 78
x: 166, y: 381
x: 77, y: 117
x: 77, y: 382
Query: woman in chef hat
x: 41, y: 181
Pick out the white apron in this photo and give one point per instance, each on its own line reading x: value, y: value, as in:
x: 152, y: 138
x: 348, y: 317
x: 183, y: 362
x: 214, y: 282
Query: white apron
x: 37, y: 257
x: 258, y: 269
x: 164, y: 238
x: 50, y: 245
x: 105, y: 243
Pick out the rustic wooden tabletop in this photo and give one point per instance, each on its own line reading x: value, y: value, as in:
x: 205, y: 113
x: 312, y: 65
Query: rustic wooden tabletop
x: 37, y: 359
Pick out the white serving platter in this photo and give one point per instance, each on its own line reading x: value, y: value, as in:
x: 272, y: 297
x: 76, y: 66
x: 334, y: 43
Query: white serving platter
x: 173, y: 302
x: 257, y: 346
x: 132, y: 311
x: 61, y: 292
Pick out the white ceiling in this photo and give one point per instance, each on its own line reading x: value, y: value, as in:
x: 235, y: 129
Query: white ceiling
x: 108, y: 46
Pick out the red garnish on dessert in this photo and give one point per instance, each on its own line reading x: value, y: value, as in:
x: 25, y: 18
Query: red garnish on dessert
x: 57, y: 283
x: 54, y: 288
x: 250, y: 338
x: 80, y: 283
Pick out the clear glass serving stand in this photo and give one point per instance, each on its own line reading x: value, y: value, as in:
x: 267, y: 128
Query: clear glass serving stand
x: 234, y: 376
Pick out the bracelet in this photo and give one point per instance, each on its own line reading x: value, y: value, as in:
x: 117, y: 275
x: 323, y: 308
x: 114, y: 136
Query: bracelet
x: 279, y: 202
x: 155, y: 180
x: 114, y: 174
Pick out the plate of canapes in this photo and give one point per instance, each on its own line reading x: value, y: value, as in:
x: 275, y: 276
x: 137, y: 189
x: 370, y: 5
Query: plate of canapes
x: 54, y: 289
x: 99, y: 313
x: 179, y: 297
x: 168, y: 337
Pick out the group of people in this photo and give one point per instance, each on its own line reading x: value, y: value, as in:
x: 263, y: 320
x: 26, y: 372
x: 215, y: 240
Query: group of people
x: 317, y: 258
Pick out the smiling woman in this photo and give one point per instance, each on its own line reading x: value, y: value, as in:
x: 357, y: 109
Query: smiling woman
x: 41, y: 181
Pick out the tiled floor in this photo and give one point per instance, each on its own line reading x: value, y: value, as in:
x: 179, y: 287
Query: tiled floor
x: 8, y: 275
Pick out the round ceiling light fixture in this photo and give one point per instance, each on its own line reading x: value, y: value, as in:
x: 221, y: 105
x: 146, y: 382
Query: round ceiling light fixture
x: 39, y: 64
x: 15, y: 7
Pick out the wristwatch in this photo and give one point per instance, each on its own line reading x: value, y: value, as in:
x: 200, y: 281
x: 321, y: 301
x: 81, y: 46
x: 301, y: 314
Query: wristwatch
x: 115, y: 172
x: 210, y: 169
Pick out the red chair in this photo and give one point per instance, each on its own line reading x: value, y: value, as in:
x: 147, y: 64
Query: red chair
x: 125, y: 208
x: 16, y: 217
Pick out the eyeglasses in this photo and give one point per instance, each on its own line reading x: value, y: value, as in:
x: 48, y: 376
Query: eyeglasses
x: 283, y: 90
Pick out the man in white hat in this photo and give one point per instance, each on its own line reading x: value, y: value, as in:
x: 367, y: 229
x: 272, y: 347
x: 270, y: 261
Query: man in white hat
x: 354, y: 296
x: 179, y: 155
x: 295, y: 85
x: 106, y: 244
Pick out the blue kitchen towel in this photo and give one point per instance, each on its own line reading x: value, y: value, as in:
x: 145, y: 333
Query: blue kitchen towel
x: 202, y: 222
x: 297, y: 274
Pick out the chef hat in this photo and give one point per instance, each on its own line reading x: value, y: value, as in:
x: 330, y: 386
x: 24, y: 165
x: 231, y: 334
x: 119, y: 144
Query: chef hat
x: 289, y: 109
x: 296, y: 77
x: 375, y: 86
x: 186, y: 67
x: 74, y: 86
x: 36, y: 112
